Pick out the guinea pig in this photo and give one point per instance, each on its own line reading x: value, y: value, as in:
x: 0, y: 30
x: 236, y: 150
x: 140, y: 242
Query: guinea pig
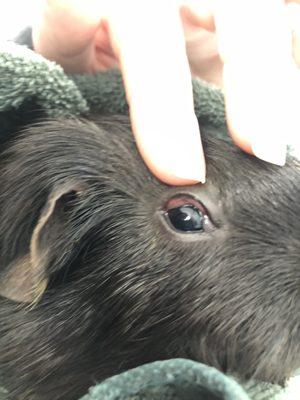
x: 105, y: 268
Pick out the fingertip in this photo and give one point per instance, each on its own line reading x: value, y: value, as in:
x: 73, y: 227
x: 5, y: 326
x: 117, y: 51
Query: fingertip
x: 259, y: 134
x: 175, y: 156
x: 242, y: 142
x: 176, y: 178
x: 198, y: 13
x: 262, y: 146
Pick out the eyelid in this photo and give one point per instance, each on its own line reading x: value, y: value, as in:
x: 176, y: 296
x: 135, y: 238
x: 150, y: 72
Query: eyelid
x: 184, y: 200
x: 208, y: 224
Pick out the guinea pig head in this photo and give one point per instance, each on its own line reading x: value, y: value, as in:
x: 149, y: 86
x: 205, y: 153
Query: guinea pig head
x: 106, y: 268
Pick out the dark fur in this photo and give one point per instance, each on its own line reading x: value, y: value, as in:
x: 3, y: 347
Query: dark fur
x: 124, y: 288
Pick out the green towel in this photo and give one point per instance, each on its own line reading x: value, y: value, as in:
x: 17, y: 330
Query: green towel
x: 30, y: 85
x: 176, y: 379
x: 26, y: 77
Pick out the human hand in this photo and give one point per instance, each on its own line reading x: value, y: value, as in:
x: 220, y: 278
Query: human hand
x: 166, y: 41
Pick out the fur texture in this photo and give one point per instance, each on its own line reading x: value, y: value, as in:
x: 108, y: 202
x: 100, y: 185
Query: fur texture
x: 123, y: 288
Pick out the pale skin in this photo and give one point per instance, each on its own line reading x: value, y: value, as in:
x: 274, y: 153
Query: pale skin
x: 249, y: 48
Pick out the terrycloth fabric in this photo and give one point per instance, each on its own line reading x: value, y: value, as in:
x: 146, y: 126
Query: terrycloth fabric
x: 31, y: 86
x: 176, y: 379
x: 25, y: 76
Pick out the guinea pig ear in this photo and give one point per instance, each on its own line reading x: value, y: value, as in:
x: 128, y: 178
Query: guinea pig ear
x: 27, y: 278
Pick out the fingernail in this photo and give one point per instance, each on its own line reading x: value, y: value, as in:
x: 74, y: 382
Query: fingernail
x: 274, y: 153
x: 172, y: 148
x: 293, y: 14
x: 183, y: 162
x: 190, y: 165
x: 191, y: 171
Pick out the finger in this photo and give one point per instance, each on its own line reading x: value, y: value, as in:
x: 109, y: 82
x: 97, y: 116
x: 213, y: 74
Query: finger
x: 71, y: 22
x: 149, y: 42
x: 293, y: 12
x: 260, y: 80
x: 65, y: 31
x: 198, y: 13
x: 201, y: 40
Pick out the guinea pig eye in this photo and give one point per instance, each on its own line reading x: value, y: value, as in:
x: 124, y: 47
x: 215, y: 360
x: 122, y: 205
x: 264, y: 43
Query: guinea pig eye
x: 187, y: 215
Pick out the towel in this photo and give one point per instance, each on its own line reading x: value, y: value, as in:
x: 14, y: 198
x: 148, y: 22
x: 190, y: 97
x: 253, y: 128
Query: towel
x: 172, y: 379
x: 31, y: 87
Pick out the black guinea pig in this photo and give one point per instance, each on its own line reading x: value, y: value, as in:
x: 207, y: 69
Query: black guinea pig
x: 104, y: 268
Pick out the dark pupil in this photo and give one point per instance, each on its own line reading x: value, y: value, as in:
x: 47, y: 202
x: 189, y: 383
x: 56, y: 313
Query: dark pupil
x: 186, y: 218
